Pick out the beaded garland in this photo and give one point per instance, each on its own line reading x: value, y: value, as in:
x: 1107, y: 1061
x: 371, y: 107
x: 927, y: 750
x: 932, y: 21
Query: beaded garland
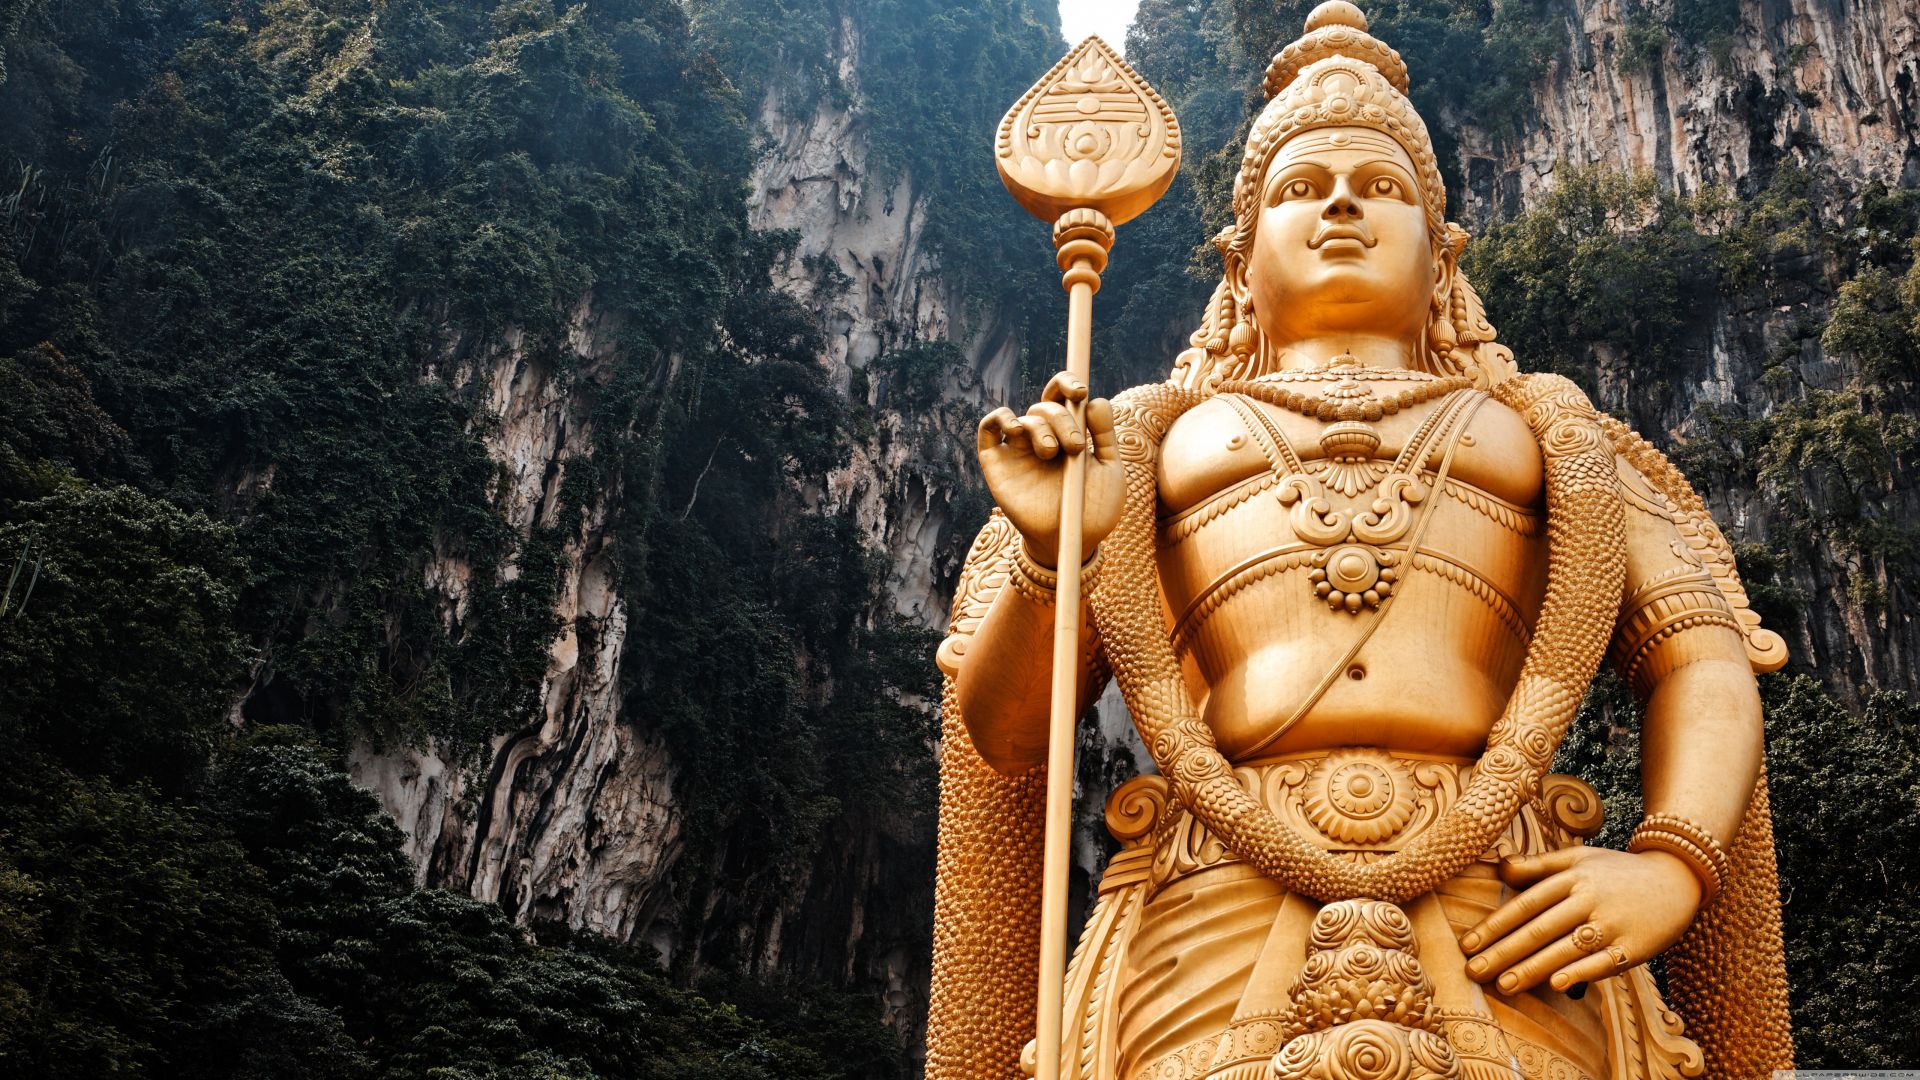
x: 1350, y: 400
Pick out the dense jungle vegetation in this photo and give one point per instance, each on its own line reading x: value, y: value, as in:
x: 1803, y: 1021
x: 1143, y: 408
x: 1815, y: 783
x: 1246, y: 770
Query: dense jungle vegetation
x: 256, y: 251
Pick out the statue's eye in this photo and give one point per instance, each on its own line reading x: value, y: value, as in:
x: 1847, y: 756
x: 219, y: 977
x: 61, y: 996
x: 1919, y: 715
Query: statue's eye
x: 1297, y: 189
x: 1384, y: 186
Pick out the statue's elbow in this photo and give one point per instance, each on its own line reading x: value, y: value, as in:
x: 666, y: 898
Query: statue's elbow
x: 1005, y: 737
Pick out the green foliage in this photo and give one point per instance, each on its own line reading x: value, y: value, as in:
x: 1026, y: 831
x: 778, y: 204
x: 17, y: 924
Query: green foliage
x: 124, y: 657
x: 264, y: 263
x: 140, y: 942
x: 1841, y: 437
x: 433, y: 984
x: 1849, y: 449
x: 1875, y: 322
x: 913, y: 377
x: 276, y: 932
x: 330, y: 856
x: 1475, y: 59
x: 1603, y: 748
x: 1604, y: 258
x: 1775, y: 231
x: 1711, y: 23
x: 1846, y: 811
x: 1642, y: 42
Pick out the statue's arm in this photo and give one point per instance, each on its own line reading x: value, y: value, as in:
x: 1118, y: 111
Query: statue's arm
x: 1679, y: 645
x: 1004, y: 683
x: 1582, y: 912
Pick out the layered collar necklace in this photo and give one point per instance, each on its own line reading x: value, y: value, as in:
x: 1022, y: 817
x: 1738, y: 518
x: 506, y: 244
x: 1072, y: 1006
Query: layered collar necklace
x: 1349, y: 408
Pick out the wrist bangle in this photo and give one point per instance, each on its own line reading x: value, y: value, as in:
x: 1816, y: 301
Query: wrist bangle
x: 1040, y: 585
x: 1694, y: 846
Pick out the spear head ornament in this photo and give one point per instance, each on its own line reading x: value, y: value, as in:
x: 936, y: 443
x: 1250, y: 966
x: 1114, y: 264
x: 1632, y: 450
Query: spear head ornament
x: 1090, y: 135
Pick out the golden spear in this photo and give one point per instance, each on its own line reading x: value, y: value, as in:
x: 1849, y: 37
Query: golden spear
x: 1089, y: 147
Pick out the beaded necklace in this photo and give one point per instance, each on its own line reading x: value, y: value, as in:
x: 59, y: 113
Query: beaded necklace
x: 1349, y: 409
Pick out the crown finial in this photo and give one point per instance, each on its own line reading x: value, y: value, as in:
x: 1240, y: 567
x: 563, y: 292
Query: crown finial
x: 1336, y: 13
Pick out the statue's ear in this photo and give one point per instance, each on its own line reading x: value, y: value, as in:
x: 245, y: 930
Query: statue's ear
x: 1234, y: 266
x: 1445, y: 265
x: 1236, y: 277
x: 1446, y: 262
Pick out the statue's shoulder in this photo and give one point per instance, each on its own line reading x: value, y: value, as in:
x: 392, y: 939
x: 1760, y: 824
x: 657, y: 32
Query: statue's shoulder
x: 1142, y: 415
x: 1542, y: 396
x: 1652, y: 484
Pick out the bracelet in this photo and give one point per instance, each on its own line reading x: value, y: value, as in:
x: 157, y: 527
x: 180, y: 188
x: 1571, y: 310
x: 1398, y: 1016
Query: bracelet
x: 1039, y: 584
x: 1694, y: 845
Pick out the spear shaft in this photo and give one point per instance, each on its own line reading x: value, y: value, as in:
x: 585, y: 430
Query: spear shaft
x: 1082, y: 237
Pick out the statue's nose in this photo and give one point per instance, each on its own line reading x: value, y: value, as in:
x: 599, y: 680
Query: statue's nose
x: 1341, y: 204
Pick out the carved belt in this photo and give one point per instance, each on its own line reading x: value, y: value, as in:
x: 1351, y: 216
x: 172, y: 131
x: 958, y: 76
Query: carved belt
x: 1364, y: 803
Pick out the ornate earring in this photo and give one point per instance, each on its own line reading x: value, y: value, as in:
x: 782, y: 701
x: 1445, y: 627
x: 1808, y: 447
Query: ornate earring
x: 1441, y: 337
x: 1245, y: 333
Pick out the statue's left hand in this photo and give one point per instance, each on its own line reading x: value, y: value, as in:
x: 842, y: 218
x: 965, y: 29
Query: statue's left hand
x: 1584, y: 913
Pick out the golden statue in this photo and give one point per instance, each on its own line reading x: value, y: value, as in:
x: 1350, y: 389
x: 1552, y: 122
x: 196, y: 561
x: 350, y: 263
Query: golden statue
x: 1353, y: 573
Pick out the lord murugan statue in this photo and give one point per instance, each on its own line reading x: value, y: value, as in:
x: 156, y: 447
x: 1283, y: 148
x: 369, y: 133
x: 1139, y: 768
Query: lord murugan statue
x: 1353, y: 572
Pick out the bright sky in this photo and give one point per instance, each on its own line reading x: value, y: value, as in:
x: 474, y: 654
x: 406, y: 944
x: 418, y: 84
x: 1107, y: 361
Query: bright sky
x: 1108, y: 18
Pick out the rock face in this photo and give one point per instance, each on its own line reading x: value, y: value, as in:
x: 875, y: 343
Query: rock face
x: 862, y: 263
x: 1803, y: 82
x: 574, y: 819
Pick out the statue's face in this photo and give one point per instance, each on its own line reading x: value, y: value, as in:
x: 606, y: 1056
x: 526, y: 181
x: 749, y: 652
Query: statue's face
x: 1341, y: 244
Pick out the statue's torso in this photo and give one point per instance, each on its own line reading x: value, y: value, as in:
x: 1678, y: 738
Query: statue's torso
x: 1257, y: 639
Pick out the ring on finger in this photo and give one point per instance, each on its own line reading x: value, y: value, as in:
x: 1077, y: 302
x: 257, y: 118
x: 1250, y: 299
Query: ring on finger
x: 1619, y: 956
x: 1589, y: 938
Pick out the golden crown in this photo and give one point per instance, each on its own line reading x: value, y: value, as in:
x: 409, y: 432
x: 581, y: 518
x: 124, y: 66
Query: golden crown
x: 1338, y: 75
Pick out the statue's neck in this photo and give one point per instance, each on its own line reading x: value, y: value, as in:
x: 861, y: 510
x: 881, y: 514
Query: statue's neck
x: 1371, y: 350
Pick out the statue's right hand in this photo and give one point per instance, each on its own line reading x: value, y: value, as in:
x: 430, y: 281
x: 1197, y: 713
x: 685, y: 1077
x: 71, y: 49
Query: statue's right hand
x: 1023, y: 458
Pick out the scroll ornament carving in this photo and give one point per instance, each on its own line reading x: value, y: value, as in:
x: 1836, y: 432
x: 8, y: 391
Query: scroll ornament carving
x: 1362, y: 1004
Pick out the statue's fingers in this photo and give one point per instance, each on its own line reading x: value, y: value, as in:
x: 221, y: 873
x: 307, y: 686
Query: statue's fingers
x: 1014, y: 433
x: 1523, y: 870
x: 993, y: 428
x: 1045, y: 446
x: 1535, y: 934
x: 1106, y: 447
x: 1534, y: 970
x: 1590, y: 968
x: 1064, y: 387
x: 1515, y: 913
x: 1062, y: 424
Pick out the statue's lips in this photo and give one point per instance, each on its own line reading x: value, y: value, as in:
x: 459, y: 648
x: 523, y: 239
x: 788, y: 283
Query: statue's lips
x: 1334, y: 235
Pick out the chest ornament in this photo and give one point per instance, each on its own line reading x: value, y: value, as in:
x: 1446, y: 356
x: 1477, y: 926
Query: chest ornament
x: 1349, y: 504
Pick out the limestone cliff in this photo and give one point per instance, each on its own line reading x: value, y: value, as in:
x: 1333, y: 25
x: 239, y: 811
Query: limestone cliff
x: 862, y: 263
x: 1814, y: 83
x: 577, y: 817
x: 572, y: 819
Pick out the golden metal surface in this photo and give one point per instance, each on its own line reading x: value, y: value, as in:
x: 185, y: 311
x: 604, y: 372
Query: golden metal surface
x: 1091, y: 134
x: 1356, y: 573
